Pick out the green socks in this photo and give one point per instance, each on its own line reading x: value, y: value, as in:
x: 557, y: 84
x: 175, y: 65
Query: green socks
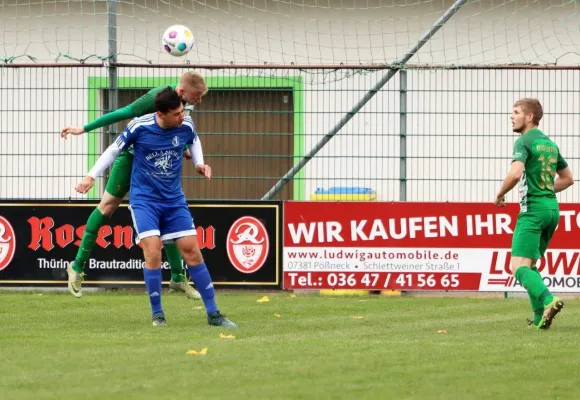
x: 531, y: 280
x: 175, y: 262
x: 94, y: 223
x: 537, y: 305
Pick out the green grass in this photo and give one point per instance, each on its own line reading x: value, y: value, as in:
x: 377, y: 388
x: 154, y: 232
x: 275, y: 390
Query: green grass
x: 103, y: 346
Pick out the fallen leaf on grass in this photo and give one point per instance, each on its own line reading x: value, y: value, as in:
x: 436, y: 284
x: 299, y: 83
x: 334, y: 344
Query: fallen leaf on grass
x: 222, y: 336
x: 202, y: 352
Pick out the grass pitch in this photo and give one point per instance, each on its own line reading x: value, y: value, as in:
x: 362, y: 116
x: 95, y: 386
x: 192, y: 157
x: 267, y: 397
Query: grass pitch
x: 53, y: 346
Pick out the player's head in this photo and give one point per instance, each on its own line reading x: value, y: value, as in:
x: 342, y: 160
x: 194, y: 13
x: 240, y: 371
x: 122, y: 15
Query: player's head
x: 527, y: 114
x: 169, y: 108
x: 192, y: 87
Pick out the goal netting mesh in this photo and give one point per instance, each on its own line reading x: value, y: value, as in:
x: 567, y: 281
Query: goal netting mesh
x: 306, y: 32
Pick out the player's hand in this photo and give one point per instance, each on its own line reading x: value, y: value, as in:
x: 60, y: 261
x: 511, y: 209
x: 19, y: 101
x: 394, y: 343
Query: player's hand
x: 72, y: 130
x: 204, y: 170
x: 85, y: 185
x: 500, y: 201
x: 187, y: 154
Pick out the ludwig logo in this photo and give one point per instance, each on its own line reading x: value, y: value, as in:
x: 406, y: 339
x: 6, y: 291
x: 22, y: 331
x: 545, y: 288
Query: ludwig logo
x: 247, y: 244
x: 7, y: 243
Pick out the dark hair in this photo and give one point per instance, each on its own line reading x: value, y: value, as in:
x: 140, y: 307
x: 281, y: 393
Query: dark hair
x: 167, y: 99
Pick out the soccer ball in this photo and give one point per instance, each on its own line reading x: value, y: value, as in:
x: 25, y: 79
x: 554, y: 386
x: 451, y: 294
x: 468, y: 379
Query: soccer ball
x: 177, y: 40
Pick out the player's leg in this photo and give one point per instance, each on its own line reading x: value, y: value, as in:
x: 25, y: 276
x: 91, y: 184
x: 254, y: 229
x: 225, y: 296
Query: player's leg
x: 178, y: 281
x: 177, y: 225
x: 117, y: 188
x: 152, y: 275
x: 537, y: 305
x: 146, y: 224
x: 552, y: 304
x: 526, y: 248
x: 175, y: 262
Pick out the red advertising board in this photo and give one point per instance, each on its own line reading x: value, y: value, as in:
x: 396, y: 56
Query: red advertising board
x: 417, y: 246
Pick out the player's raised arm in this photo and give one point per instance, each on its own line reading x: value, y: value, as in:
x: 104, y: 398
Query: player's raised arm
x: 107, y: 158
x: 143, y: 105
x: 191, y: 89
x: 107, y: 119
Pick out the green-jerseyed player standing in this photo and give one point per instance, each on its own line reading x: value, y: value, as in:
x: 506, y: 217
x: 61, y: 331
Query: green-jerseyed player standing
x: 536, y: 160
x: 191, y: 88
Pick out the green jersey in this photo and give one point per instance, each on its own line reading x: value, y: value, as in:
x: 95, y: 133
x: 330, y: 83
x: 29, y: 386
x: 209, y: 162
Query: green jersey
x: 143, y: 105
x: 542, y: 158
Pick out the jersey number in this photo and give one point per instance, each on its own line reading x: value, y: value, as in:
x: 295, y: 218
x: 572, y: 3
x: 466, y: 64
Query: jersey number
x: 547, y: 173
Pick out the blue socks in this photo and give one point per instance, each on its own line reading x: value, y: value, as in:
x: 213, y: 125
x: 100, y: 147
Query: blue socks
x: 153, y: 285
x: 200, y: 277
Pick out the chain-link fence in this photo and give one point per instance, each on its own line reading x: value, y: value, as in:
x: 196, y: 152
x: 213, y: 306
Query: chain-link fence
x: 429, y: 134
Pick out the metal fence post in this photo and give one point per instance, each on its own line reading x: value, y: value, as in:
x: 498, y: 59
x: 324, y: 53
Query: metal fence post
x: 403, y: 135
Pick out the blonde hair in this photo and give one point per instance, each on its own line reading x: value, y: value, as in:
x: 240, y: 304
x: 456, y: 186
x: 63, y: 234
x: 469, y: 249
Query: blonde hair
x: 531, y: 106
x: 194, y: 80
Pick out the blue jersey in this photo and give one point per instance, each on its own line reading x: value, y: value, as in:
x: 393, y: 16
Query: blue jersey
x: 158, y: 158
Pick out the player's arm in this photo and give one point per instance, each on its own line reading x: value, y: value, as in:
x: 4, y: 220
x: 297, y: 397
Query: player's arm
x: 143, y: 105
x: 565, y: 178
x: 521, y: 154
x: 107, y: 119
x: 106, y: 160
x: 197, y: 157
x: 510, y: 181
x: 196, y: 151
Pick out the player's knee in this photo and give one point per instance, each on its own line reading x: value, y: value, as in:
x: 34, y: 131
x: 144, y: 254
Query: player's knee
x: 109, y: 204
x: 107, y: 210
x: 518, y: 262
x: 192, y: 256
x: 152, y: 256
x: 189, y: 249
x: 153, y: 259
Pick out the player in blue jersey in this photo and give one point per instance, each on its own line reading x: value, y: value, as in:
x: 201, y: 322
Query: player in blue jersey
x: 157, y: 202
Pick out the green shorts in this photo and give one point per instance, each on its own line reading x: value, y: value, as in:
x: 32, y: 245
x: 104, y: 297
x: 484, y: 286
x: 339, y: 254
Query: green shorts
x: 534, y: 230
x: 120, y: 178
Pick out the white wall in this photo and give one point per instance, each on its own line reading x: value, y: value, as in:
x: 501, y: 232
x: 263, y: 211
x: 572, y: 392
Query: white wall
x: 36, y: 103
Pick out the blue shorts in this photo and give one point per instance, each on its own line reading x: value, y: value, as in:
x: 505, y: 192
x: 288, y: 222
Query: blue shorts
x: 168, y: 221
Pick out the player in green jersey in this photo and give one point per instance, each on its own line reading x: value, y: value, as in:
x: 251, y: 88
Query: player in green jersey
x: 191, y: 88
x: 535, y: 162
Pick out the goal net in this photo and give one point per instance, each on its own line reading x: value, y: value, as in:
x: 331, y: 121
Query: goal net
x: 305, y: 32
